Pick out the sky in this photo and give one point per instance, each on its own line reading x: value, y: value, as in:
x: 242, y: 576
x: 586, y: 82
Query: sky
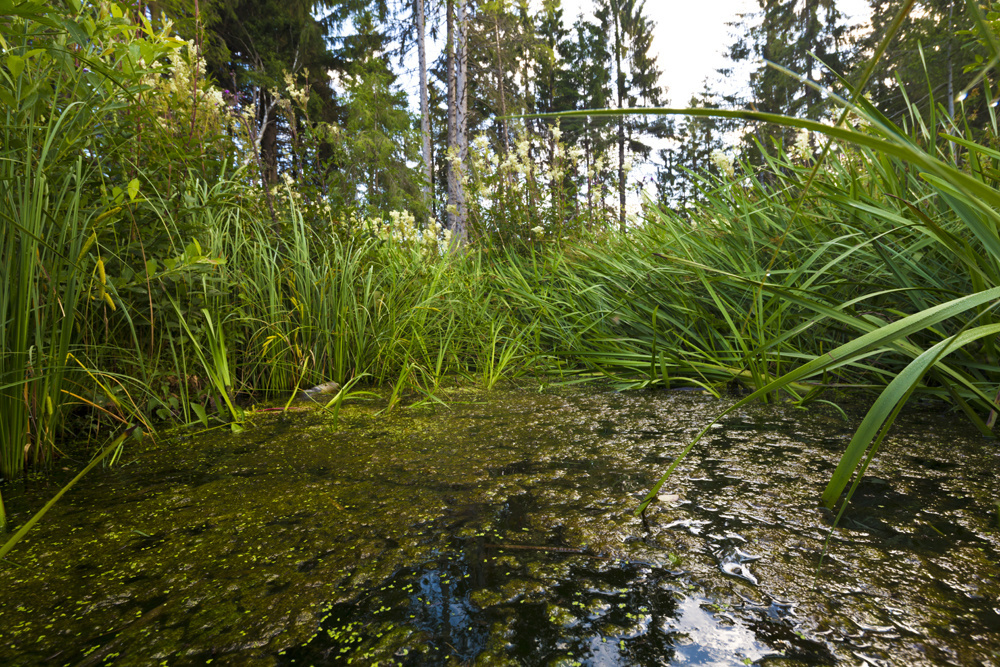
x: 692, y: 36
x: 690, y: 40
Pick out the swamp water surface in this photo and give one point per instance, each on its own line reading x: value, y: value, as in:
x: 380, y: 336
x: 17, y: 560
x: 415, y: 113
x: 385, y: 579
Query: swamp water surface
x: 501, y: 532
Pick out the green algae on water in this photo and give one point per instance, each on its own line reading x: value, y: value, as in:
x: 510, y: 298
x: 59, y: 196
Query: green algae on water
x: 501, y: 532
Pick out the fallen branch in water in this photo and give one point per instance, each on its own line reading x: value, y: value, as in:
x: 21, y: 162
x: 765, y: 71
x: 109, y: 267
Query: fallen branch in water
x: 531, y: 547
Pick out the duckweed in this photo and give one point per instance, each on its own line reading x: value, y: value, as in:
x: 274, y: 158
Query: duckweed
x: 380, y: 542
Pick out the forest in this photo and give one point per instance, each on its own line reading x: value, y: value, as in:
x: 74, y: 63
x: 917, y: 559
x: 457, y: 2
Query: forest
x: 210, y: 203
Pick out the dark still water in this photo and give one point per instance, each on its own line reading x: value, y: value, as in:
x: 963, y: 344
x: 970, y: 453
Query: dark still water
x: 500, y: 531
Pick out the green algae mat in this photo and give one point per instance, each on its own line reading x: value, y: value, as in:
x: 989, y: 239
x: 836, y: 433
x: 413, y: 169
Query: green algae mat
x: 500, y: 531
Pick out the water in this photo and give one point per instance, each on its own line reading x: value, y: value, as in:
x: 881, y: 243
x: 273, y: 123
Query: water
x: 501, y: 531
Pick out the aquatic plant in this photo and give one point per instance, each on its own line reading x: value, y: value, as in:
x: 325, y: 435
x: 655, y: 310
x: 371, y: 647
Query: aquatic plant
x: 55, y: 211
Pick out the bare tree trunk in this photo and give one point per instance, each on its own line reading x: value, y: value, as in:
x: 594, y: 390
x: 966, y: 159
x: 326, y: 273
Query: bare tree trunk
x: 425, y: 115
x: 590, y: 182
x: 621, y: 119
x: 460, y: 232
x: 268, y: 138
x: 450, y: 67
x: 265, y: 105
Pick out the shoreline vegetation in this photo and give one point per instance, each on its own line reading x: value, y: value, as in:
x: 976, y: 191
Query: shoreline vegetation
x: 149, y: 279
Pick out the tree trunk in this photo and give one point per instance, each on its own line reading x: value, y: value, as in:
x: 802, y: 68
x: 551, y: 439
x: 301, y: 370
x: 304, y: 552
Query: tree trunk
x: 450, y: 67
x: 590, y: 180
x: 621, y: 119
x: 460, y: 232
x: 425, y: 115
x: 268, y: 140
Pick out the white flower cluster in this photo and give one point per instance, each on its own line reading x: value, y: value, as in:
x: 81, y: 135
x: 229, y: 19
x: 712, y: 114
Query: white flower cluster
x: 401, y: 228
x: 300, y: 95
x: 286, y: 190
x: 802, y: 147
x: 186, y: 78
x: 723, y: 162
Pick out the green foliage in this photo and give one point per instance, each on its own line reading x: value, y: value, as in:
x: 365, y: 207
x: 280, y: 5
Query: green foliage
x: 517, y: 203
x: 924, y: 64
x: 698, y: 143
x: 147, y: 273
x: 68, y: 74
x: 808, y: 37
x: 874, y: 267
x: 376, y: 148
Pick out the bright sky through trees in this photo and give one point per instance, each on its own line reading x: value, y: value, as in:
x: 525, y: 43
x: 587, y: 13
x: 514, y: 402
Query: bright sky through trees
x: 691, y: 38
x: 690, y: 41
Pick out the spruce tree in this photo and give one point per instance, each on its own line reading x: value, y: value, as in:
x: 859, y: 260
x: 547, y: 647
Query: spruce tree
x: 585, y: 83
x: 695, y: 140
x: 629, y: 35
x: 807, y: 37
x: 924, y: 65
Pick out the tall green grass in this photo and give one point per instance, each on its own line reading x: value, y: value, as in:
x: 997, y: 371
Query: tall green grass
x: 311, y: 308
x: 50, y: 265
x: 874, y: 265
x: 139, y: 283
x: 884, y: 279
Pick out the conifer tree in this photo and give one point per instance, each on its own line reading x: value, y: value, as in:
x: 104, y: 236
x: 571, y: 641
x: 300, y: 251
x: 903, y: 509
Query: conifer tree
x: 695, y: 140
x: 586, y: 84
x: 629, y: 35
x: 498, y: 41
x: 807, y: 37
x: 258, y: 43
x: 420, y: 25
x: 926, y: 60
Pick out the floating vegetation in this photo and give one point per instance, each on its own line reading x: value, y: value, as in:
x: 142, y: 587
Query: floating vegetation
x: 503, y: 533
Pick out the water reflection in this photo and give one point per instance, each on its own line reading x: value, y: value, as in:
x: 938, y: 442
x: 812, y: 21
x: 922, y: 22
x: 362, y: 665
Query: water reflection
x: 502, y: 533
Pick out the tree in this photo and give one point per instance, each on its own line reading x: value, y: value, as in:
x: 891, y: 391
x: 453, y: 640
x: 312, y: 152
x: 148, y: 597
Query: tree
x: 498, y: 41
x: 456, y: 80
x: 377, y: 144
x: 425, y: 113
x: 924, y: 62
x: 807, y: 37
x: 695, y: 141
x: 261, y: 41
x: 584, y: 83
x: 636, y: 75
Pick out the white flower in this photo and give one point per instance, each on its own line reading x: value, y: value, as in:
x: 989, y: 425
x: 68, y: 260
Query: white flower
x: 723, y: 162
x: 802, y: 147
x: 538, y: 230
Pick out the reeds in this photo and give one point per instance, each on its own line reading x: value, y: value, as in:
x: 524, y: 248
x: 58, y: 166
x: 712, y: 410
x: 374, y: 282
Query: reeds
x: 872, y: 265
x: 883, y: 279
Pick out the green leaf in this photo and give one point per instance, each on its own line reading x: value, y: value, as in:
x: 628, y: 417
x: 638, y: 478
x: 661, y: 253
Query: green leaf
x: 15, y: 64
x: 867, y: 343
x: 199, y: 410
x: 898, y: 390
x: 133, y: 188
